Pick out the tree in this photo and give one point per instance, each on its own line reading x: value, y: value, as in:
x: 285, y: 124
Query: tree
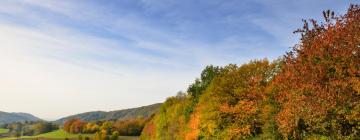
x: 196, y: 89
x: 130, y: 127
x: 91, y: 127
x: 74, y: 126
x: 106, y: 127
x: 114, y: 135
x: 318, y: 86
x: 68, y: 124
x: 233, y: 101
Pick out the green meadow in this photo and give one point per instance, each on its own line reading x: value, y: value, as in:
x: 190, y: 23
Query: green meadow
x: 61, y: 134
x: 2, y: 131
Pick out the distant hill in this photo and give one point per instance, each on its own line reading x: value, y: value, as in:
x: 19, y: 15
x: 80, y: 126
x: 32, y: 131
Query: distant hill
x: 6, y: 117
x: 144, y: 111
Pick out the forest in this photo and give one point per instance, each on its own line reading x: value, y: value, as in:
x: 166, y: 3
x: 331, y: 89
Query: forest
x: 312, y: 92
x: 29, y: 128
x: 106, y: 130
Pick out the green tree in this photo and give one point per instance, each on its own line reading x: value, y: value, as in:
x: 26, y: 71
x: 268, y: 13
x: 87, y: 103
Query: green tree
x: 114, y: 135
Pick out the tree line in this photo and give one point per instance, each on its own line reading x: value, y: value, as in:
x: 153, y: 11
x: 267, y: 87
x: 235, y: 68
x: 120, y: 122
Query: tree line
x: 312, y: 92
x: 29, y: 128
x: 106, y: 130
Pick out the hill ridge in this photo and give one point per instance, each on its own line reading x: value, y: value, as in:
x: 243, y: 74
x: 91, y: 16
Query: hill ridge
x: 142, y: 111
x: 9, y: 117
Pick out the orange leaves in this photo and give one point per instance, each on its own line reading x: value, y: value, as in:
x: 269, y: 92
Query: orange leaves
x: 74, y: 126
x: 286, y: 121
x: 233, y: 101
x: 149, y: 131
x: 242, y: 110
x: 319, y: 79
x: 194, y: 127
x: 240, y: 131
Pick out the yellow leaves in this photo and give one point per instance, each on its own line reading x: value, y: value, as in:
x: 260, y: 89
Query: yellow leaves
x: 354, y: 115
x: 286, y: 121
x: 232, y: 103
x: 193, y: 126
x: 242, y: 110
x: 356, y: 86
x: 240, y: 131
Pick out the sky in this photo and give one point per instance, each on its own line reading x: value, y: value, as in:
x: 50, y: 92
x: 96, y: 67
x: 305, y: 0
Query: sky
x: 59, y: 58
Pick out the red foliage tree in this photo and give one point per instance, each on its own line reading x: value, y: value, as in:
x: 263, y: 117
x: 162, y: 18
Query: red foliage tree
x: 318, y: 86
x: 74, y: 126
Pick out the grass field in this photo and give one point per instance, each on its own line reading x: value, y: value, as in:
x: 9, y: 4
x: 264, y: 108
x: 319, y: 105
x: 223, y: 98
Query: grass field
x: 2, y: 130
x: 61, y: 134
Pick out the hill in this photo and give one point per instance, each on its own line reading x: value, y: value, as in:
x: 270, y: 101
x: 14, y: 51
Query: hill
x: 6, y: 117
x: 144, y: 111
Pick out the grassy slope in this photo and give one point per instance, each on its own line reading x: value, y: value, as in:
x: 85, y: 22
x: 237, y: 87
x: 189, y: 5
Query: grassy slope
x: 58, y: 134
x: 54, y: 134
x: 62, y: 134
x: 2, y: 130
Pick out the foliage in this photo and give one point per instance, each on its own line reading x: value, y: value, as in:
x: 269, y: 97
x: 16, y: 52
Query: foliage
x: 197, y: 88
x: 313, y: 92
x: 106, y: 130
x: 74, y: 126
x: 234, y: 100
x: 129, y: 127
x: 209, y: 73
x: 318, y: 87
x: 177, y: 110
x: 30, y: 128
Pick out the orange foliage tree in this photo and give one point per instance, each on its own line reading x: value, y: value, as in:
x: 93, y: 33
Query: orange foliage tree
x: 74, y: 126
x: 318, y: 86
x: 233, y: 101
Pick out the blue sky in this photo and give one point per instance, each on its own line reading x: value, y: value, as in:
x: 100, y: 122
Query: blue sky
x: 65, y: 57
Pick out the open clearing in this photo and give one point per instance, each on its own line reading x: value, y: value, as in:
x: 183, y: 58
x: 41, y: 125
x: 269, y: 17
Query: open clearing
x: 2, y: 131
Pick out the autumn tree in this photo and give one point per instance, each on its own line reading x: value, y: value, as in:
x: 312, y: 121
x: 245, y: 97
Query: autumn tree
x: 233, y: 101
x: 67, y: 124
x: 196, y: 89
x: 91, y: 127
x: 130, y: 127
x: 74, y: 126
x: 318, y: 86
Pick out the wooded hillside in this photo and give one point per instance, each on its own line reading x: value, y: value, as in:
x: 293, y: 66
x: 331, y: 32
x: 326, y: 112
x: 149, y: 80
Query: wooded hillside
x: 144, y: 111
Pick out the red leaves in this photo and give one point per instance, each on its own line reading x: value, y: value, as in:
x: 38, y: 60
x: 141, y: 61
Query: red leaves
x: 321, y: 77
x: 74, y: 126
